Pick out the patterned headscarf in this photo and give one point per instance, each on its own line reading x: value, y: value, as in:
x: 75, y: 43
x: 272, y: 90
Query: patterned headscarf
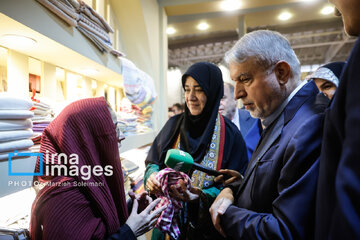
x: 330, y: 72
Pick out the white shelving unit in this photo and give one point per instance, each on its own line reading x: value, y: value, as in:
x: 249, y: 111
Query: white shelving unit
x: 57, y: 43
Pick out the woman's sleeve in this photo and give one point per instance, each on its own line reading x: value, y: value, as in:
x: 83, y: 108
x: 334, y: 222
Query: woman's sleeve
x: 150, y: 169
x: 124, y: 232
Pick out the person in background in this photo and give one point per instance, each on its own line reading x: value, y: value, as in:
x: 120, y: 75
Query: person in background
x: 327, y: 78
x: 170, y: 112
x: 228, y: 107
x: 211, y: 140
x: 338, y: 193
x: 91, y: 207
x: 276, y: 198
x: 253, y: 136
x: 178, y: 108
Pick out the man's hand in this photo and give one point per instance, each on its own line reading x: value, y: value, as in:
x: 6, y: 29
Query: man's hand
x: 235, y: 176
x: 221, y: 203
x: 153, y: 185
x: 186, y: 195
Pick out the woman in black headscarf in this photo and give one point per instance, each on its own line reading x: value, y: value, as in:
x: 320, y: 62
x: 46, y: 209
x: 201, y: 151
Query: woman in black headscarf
x: 211, y: 139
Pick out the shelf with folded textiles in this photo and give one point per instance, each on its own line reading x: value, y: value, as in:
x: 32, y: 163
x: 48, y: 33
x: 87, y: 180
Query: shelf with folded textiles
x: 132, y: 162
x: 16, y: 159
x: 56, y: 42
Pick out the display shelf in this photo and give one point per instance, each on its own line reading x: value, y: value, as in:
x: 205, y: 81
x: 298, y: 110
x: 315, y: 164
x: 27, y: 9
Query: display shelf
x: 12, y: 184
x: 57, y: 43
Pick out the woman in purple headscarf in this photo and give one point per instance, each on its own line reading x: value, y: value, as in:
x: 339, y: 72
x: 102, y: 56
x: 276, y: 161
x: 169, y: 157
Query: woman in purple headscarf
x: 86, y: 198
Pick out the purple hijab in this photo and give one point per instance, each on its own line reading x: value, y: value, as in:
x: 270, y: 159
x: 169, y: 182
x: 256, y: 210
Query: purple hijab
x: 66, y: 211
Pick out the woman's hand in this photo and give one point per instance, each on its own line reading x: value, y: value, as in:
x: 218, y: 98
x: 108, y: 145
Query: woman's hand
x: 187, y: 196
x: 144, y: 221
x: 153, y: 185
x: 234, y: 176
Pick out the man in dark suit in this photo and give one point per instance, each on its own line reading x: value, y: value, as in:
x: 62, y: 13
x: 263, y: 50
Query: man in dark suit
x: 276, y: 198
x: 338, y: 195
x: 228, y: 107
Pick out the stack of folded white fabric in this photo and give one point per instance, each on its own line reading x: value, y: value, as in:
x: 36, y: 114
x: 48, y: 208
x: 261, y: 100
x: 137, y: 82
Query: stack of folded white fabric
x: 80, y: 15
x: 42, y: 118
x: 15, y: 125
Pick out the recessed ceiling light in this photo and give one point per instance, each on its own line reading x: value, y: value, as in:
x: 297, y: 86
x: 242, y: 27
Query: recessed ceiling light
x: 203, y: 26
x: 170, y: 30
x: 17, y: 41
x: 230, y: 5
x: 285, y: 16
x: 327, y: 10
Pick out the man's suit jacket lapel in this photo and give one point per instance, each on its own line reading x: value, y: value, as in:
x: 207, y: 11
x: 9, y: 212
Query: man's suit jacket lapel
x: 268, y: 137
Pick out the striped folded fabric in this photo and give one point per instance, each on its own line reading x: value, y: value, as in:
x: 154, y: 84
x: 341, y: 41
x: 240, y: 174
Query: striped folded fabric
x: 167, y: 220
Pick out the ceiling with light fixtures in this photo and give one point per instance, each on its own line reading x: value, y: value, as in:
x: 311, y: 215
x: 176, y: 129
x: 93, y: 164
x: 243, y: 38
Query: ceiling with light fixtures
x: 203, y: 30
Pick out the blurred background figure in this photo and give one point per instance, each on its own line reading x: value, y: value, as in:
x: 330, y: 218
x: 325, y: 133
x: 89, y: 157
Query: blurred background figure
x: 175, y: 109
x: 228, y: 107
x: 327, y: 77
x: 178, y: 108
x: 170, y: 112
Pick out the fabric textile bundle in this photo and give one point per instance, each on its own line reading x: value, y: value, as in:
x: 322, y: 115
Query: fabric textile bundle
x: 14, y: 125
x: 16, y: 114
x: 78, y: 14
x: 167, y: 221
x: 16, y: 134
x: 42, y: 118
x: 12, y: 103
x: 140, y: 90
x: 138, y: 86
x: 19, y: 124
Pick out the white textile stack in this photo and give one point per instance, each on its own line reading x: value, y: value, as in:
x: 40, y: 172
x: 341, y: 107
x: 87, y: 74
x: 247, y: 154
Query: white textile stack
x: 15, y: 125
x: 80, y: 15
x: 42, y: 118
